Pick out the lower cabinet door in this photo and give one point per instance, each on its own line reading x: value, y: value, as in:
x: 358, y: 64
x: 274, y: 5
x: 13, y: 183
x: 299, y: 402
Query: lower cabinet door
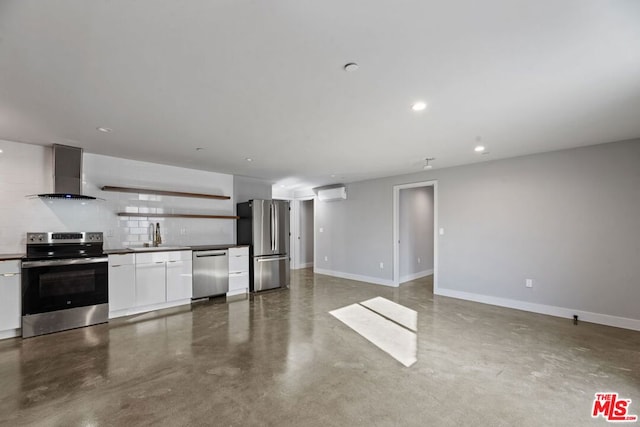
x: 10, y: 304
x: 150, y: 284
x: 179, y: 284
x: 238, y: 282
x: 122, y: 287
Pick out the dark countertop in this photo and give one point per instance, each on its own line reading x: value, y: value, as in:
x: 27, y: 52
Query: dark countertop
x: 214, y: 247
x: 7, y: 257
x: 172, y: 248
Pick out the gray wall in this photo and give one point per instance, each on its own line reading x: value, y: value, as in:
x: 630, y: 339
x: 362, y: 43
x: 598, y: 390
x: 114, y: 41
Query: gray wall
x: 567, y: 219
x: 306, y: 232
x: 245, y: 188
x: 416, y: 231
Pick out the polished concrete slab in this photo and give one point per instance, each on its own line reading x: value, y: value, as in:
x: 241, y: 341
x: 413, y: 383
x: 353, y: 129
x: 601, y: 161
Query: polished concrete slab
x: 280, y: 358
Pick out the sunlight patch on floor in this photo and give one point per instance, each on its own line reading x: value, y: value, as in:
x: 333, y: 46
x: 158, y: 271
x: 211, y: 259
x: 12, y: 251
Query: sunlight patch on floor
x: 389, y: 326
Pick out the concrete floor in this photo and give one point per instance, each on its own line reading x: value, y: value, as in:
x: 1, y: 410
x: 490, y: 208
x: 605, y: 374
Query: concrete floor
x: 281, y: 359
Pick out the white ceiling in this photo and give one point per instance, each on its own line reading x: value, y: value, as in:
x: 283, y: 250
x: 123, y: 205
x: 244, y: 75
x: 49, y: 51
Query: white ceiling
x: 264, y: 79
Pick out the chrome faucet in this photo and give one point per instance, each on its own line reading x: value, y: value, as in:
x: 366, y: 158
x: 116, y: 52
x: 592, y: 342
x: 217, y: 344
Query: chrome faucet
x: 157, y: 238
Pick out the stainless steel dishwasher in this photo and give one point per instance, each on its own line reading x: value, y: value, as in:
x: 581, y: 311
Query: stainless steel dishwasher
x: 210, y: 273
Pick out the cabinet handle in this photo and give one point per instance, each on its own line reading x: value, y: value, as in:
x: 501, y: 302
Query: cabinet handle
x: 9, y: 274
x: 173, y: 261
x: 116, y: 266
x: 159, y: 262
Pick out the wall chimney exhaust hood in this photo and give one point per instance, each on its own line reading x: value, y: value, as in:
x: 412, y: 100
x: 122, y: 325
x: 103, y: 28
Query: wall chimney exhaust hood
x: 67, y: 174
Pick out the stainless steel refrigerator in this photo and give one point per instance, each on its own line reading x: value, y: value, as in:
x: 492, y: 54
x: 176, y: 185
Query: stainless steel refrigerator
x: 264, y: 225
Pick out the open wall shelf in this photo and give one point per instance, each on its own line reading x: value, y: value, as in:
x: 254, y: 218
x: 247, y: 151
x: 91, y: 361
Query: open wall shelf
x: 178, y: 215
x: 163, y: 193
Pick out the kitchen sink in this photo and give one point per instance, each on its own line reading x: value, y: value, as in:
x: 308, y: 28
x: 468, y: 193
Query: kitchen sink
x: 161, y: 247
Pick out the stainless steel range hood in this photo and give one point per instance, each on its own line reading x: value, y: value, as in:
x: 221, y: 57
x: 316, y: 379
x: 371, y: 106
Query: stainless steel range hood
x: 67, y: 174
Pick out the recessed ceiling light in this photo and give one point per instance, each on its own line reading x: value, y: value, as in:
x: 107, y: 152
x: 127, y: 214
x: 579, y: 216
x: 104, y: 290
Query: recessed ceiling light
x: 479, y: 148
x: 0, y: 150
x: 419, y: 106
x: 105, y: 130
x: 350, y: 67
x: 249, y: 159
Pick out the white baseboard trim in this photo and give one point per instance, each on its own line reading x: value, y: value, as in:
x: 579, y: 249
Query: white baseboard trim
x: 551, y: 310
x: 358, y: 277
x: 10, y: 333
x: 305, y: 265
x: 415, y: 276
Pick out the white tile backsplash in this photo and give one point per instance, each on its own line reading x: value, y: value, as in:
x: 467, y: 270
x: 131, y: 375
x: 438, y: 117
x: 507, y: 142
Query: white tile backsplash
x: 26, y: 169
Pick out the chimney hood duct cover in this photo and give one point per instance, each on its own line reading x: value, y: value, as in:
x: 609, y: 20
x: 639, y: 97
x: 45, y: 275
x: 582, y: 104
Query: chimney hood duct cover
x: 67, y: 174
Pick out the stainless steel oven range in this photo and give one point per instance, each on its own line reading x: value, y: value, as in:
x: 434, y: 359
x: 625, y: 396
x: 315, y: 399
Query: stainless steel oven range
x: 64, y: 282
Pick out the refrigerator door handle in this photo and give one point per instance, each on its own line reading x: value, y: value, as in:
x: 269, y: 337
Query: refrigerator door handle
x: 272, y: 259
x: 276, y: 240
x: 273, y: 221
x: 271, y: 225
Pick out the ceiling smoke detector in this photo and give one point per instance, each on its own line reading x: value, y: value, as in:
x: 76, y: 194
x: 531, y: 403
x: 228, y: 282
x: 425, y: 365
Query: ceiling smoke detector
x: 350, y: 67
x: 427, y: 164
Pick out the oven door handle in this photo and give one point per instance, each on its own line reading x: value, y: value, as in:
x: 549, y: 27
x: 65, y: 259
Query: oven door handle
x: 55, y: 262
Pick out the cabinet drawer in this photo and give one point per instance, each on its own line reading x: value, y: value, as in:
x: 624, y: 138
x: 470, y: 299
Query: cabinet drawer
x: 151, y: 257
x: 10, y: 267
x: 238, y: 264
x: 122, y: 259
x: 179, y: 256
x: 238, y: 281
x: 242, y: 251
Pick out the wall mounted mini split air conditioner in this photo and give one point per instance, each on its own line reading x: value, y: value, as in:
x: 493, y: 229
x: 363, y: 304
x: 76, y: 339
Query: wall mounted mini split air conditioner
x: 332, y: 194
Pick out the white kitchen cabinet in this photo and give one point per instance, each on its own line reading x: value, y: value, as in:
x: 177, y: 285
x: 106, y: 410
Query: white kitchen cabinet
x: 238, y: 271
x: 122, y: 282
x: 10, y: 299
x: 155, y: 279
x: 150, y: 283
x: 178, y: 277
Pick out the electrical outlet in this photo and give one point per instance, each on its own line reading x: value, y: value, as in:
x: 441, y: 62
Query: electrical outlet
x: 528, y: 283
x: 321, y: 229
x: 441, y: 231
x: 326, y: 258
x: 381, y: 265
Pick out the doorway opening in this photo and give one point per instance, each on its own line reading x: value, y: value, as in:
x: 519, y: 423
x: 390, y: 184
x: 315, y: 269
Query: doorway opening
x: 415, y: 236
x: 303, y: 234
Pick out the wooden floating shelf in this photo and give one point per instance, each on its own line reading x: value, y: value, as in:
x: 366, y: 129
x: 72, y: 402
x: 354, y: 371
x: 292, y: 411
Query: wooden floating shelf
x: 157, y: 215
x: 163, y: 192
